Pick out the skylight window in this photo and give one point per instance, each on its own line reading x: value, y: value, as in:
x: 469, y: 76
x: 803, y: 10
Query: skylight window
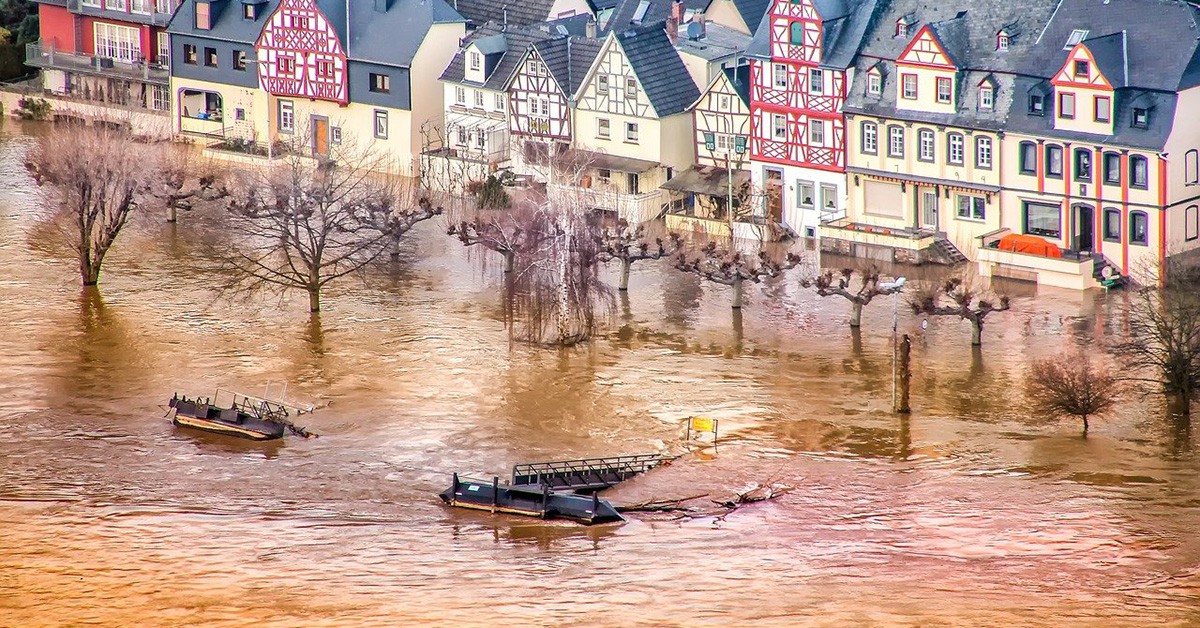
x: 640, y: 14
x: 1077, y: 36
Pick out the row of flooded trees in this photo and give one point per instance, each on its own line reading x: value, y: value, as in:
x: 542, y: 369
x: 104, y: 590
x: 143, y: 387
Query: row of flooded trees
x: 304, y: 223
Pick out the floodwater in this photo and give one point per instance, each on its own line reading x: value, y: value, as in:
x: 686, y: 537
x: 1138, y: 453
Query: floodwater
x: 971, y: 512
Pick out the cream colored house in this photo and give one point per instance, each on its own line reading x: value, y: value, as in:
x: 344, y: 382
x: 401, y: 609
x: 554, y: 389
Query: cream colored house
x: 630, y: 123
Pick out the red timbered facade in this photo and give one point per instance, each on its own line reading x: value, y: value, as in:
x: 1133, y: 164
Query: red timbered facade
x: 301, y: 55
x: 537, y: 104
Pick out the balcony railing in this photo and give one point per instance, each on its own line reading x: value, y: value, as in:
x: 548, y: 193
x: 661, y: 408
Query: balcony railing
x: 891, y: 237
x: 156, y: 13
x: 1070, y: 269
x: 40, y: 56
x: 634, y: 208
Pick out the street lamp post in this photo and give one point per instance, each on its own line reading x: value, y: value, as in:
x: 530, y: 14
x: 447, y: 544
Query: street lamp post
x: 896, y: 285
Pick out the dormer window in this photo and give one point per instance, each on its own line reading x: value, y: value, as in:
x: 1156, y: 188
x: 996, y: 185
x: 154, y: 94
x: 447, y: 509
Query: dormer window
x: 904, y: 25
x: 986, y: 98
x: 874, y: 83
x: 1081, y: 69
x: 476, y: 60
x: 1002, y: 42
x: 248, y: 11
x: 1141, y: 117
x: 203, y: 16
x: 1037, y: 105
x: 1075, y: 37
x: 901, y: 29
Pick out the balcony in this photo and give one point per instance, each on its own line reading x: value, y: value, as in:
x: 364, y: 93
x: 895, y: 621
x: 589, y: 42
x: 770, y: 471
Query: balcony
x: 635, y: 208
x: 908, y: 245
x: 47, y: 57
x: 1047, y: 265
x: 757, y: 230
x: 156, y: 13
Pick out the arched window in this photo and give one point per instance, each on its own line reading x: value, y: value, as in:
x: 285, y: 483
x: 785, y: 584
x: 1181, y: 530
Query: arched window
x: 1112, y: 168
x: 1191, y: 222
x: 1054, y: 161
x: 1139, y: 172
x: 925, y: 145
x: 1139, y: 228
x: 1191, y: 167
x: 1083, y: 164
x: 983, y: 151
x: 797, y: 33
x: 870, y: 138
x: 1112, y: 224
x: 1027, y: 158
x: 954, y: 149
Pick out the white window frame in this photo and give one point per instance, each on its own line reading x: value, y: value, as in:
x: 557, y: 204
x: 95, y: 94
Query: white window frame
x: 631, y: 132
x: 801, y: 187
x: 925, y: 145
x: 478, y: 98
x: 983, y: 152
x: 987, y: 98
x: 870, y: 138
x: 500, y: 102
x: 816, y: 81
x: 944, y: 97
x: 896, y: 142
x: 603, y: 128
x: 778, y: 133
x: 874, y: 83
x: 476, y: 60
x: 460, y: 95
x: 956, y: 149
x: 381, y: 124
x: 779, y: 75
x: 974, y: 205
x: 816, y: 132
x: 287, y: 116
x: 120, y: 43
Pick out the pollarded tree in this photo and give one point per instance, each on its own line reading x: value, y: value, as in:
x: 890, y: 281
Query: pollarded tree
x: 99, y: 175
x: 1072, y: 387
x: 829, y: 284
x: 507, y: 232
x: 628, y: 244
x: 959, y: 296
x: 733, y: 268
x: 306, y: 222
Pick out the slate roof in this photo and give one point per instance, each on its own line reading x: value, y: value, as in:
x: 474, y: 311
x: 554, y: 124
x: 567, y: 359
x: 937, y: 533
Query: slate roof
x: 512, y: 12
x: 510, y: 41
x: 568, y: 59
x: 752, y: 11
x: 659, y: 69
x: 227, y: 21
x: 1160, y: 105
x: 656, y: 11
x: 739, y: 78
x: 718, y: 41
x: 842, y: 35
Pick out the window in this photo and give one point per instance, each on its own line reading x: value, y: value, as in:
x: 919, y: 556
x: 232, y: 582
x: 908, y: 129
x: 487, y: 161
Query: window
x: 335, y: 134
x: 1141, y: 118
x: 1191, y: 167
x: 1102, y: 109
x: 164, y: 49
x: 210, y: 57
x: 1112, y: 168
x: 909, y: 86
x: 901, y: 28
x: 1066, y: 106
x: 816, y: 81
x: 121, y: 43
x: 1112, y: 224
x: 602, y: 128
x: 1081, y: 69
x: 162, y: 98
x: 1075, y: 37
x: 239, y: 59
x: 1083, y: 164
x: 602, y: 84
x: 1139, y: 228
x: 955, y: 149
x: 1043, y: 219
x: 870, y: 138
x: 797, y: 34
x: 301, y: 23
x: 382, y: 83
x: 804, y: 194
x: 476, y: 60
x: 381, y: 124
x: 248, y: 11
x: 895, y: 141
x: 971, y: 207
x: 189, y: 54
x: 925, y: 145
x: 779, y: 127
x: 631, y: 89
x: 462, y: 136
x: 943, y: 90
x: 203, y: 16
x: 499, y: 102
x: 481, y: 140
x: 478, y: 98
x: 1002, y: 42
x: 986, y: 100
x: 324, y: 69
x: 874, y: 84
x: 631, y: 132
x: 91, y: 3
x: 780, y: 75
x: 1037, y: 105
x: 816, y: 132
x: 285, y: 65
x: 239, y: 114
x: 1139, y: 172
x: 114, y: 5
x: 1027, y: 158
x: 1054, y: 161
x: 828, y: 197
x: 1191, y: 223
x: 723, y: 102
x: 287, y: 116
x: 983, y: 152
x: 460, y: 95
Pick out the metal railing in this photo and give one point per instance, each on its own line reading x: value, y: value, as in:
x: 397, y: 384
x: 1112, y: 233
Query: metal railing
x: 585, y: 473
x: 158, y: 13
x: 41, y: 56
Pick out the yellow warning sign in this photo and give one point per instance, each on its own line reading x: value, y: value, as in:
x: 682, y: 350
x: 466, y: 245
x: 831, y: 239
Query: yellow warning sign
x: 702, y: 424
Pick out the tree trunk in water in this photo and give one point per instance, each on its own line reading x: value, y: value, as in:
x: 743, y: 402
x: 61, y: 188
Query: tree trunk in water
x: 737, y: 293
x: 1179, y: 405
x: 905, y: 374
x: 395, y: 248
x: 89, y: 270
x: 314, y: 299
x: 1085, y: 425
x: 977, y: 333
x: 855, y: 314
x: 172, y: 214
x: 625, y: 264
x: 508, y: 261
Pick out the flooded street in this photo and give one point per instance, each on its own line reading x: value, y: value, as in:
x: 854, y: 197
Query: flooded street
x: 971, y: 512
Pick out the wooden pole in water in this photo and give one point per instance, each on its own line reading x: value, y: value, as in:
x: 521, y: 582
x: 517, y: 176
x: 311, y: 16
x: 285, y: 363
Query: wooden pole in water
x: 495, y: 492
x: 905, y: 374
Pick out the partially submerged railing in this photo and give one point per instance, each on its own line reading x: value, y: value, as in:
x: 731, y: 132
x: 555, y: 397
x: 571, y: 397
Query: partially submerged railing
x: 585, y: 473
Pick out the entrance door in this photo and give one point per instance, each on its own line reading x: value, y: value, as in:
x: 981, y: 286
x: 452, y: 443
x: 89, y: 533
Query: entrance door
x: 774, y: 195
x: 1084, y: 228
x: 320, y: 127
x: 929, y: 202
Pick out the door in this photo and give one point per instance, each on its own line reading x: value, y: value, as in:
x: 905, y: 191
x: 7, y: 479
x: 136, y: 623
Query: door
x: 774, y: 195
x: 1084, y: 228
x: 320, y: 127
x: 929, y: 203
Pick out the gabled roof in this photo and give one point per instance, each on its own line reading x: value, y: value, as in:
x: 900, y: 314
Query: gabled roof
x: 568, y: 60
x: 841, y: 36
x: 656, y: 11
x: 739, y: 79
x: 659, y: 69
x: 953, y: 38
x: 508, y: 41
x: 227, y: 25
x: 752, y: 11
x: 512, y: 12
x: 1109, y: 53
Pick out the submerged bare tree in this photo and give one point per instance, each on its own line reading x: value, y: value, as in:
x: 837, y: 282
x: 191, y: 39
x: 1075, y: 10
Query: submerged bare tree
x: 829, y: 284
x: 1072, y: 386
x: 507, y: 232
x: 627, y: 244
x: 734, y: 268
x: 100, y: 174
x: 1163, y: 342
x: 306, y: 222
x: 959, y: 296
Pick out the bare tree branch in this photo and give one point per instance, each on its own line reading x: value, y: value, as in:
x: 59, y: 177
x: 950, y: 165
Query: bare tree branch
x: 829, y: 284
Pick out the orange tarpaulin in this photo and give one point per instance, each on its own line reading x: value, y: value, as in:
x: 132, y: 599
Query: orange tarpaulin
x: 1020, y: 243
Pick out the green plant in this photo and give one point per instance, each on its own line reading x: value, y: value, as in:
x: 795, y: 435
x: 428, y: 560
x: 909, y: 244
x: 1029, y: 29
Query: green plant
x: 33, y: 109
x: 491, y: 194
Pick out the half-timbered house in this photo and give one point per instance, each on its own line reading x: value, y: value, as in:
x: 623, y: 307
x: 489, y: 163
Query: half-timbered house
x: 631, y: 111
x: 800, y: 69
x: 310, y: 75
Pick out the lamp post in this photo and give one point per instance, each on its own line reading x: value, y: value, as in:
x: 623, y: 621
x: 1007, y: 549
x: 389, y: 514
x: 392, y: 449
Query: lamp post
x: 896, y: 285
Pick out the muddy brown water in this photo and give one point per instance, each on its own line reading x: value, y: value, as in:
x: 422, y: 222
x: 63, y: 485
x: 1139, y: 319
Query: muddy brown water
x: 971, y: 512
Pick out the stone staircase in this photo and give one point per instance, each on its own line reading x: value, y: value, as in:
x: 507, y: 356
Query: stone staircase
x: 943, y: 248
x: 1112, y: 278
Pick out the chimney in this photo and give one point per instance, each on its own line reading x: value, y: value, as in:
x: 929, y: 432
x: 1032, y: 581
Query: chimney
x: 673, y: 26
x: 381, y: 6
x: 702, y: 21
x: 677, y: 11
x: 590, y: 30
